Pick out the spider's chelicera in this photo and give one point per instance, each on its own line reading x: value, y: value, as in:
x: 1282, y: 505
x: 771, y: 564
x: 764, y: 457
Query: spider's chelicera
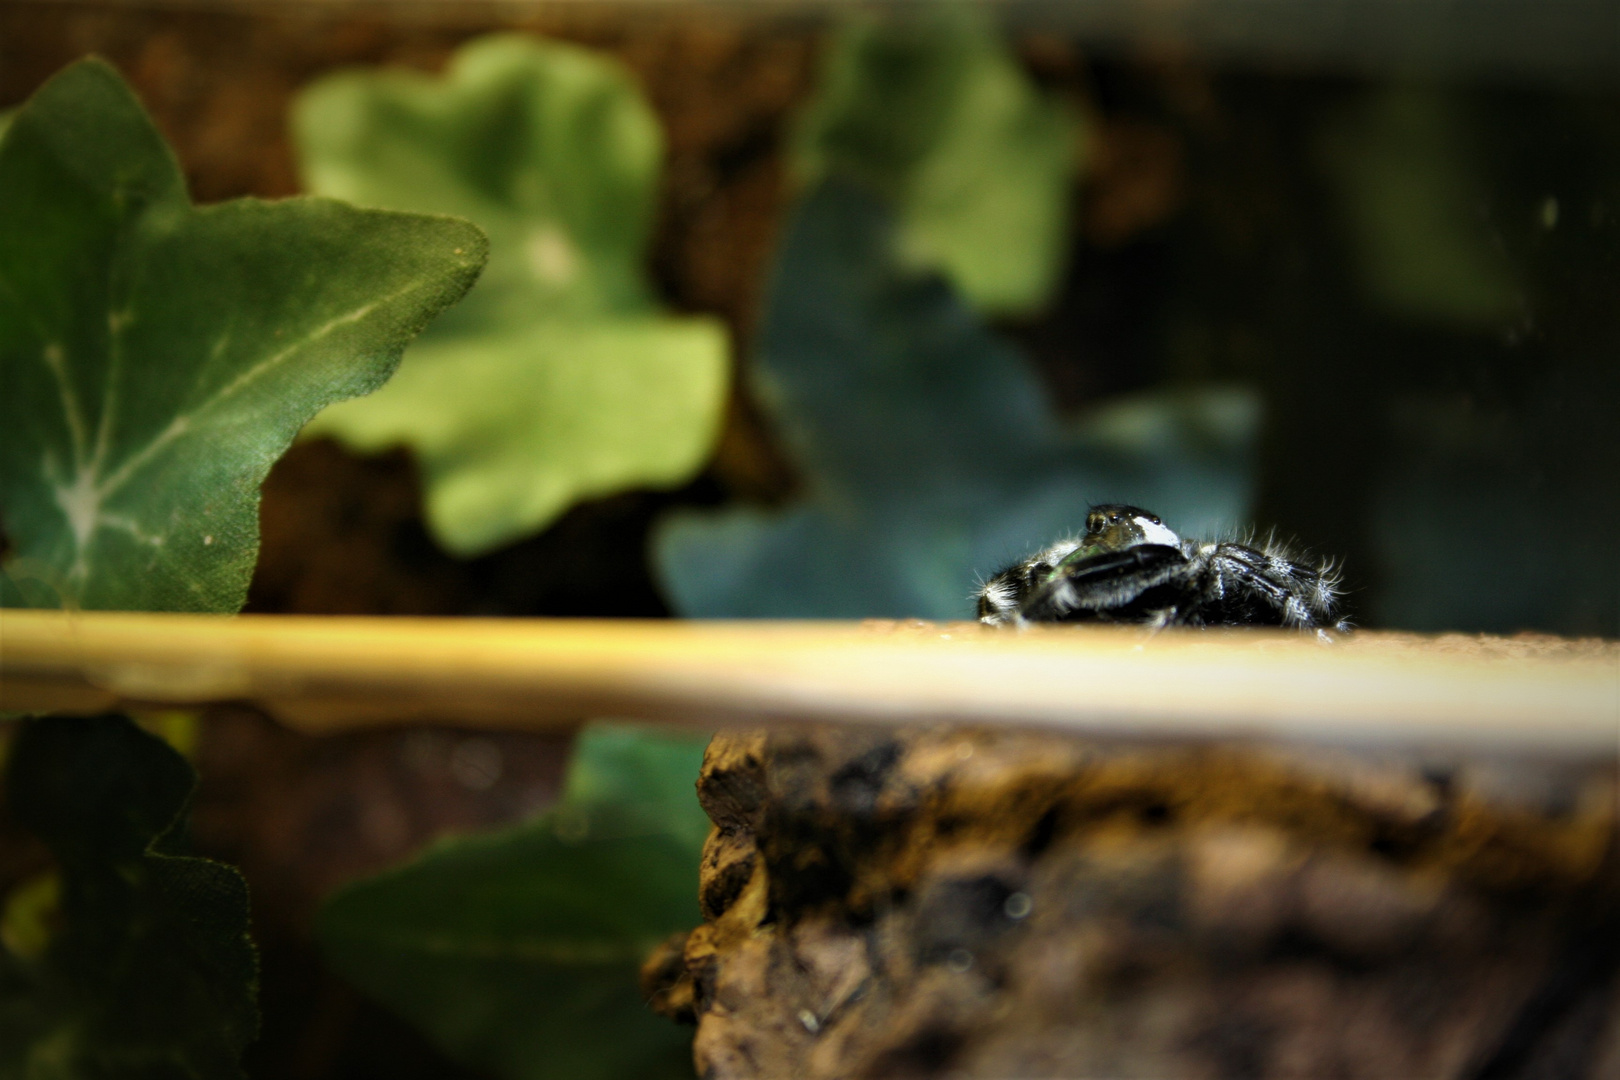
x: 1130, y: 567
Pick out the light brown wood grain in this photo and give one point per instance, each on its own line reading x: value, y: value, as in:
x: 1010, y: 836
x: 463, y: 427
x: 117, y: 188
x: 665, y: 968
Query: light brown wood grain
x: 325, y: 674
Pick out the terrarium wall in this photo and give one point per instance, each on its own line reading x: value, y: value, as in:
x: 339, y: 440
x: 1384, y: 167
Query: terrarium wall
x: 1367, y: 306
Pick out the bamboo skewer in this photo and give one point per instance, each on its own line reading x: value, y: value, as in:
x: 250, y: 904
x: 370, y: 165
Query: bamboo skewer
x: 328, y: 674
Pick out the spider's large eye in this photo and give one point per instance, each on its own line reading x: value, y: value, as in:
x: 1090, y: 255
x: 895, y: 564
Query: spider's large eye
x: 1094, y: 522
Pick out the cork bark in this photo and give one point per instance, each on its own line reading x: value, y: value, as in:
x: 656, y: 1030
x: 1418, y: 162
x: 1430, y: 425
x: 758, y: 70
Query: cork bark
x: 942, y: 902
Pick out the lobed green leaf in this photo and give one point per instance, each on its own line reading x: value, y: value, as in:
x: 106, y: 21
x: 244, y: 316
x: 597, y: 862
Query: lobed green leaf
x: 517, y: 951
x: 559, y: 379
x: 932, y: 111
x: 156, y: 359
x: 152, y: 973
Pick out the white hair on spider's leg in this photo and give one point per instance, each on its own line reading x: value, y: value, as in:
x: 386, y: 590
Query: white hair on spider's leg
x: 997, y: 593
x: 1326, y: 589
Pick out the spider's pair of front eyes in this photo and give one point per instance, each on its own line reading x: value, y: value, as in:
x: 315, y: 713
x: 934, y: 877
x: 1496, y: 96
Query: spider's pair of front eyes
x: 1098, y: 520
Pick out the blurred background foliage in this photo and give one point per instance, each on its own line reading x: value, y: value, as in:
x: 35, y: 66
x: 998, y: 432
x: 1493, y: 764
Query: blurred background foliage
x: 934, y: 179
x: 971, y: 276
x: 517, y: 950
x: 929, y: 450
x: 558, y: 379
x: 934, y: 114
x: 130, y: 957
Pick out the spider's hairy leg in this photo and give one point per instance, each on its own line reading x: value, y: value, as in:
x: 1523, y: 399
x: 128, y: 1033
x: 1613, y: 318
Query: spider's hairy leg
x: 1318, y: 586
x: 1299, y: 595
x: 1253, y: 573
x: 1002, y: 596
x: 999, y: 596
x: 1103, y: 585
x: 1326, y: 593
x: 1163, y: 619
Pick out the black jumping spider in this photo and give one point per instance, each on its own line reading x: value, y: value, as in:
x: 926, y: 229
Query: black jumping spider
x: 1130, y: 567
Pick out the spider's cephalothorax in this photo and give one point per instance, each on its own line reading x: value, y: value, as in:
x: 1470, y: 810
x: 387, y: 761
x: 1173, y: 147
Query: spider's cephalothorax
x: 1130, y: 567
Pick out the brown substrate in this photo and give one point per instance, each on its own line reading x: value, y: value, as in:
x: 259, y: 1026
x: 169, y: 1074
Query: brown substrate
x: 951, y: 903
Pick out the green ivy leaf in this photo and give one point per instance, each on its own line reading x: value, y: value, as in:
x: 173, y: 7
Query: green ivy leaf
x: 559, y: 379
x: 152, y: 973
x: 929, y: 449
x: 933, y: 112
x: 155, y: 358
x: 628, y: 770
x: 517, y: 951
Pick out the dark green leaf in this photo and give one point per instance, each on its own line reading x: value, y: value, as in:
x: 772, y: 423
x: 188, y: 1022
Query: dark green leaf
x: 155, y: 359
x: 559, y: 379
x: 517, y: 951
x: 152, y: 974
x: 930, y: 449
x: 625, y: 770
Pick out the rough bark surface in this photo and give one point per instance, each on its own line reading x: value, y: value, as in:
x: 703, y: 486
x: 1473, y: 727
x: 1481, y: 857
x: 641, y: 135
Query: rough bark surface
x: 942, y: 902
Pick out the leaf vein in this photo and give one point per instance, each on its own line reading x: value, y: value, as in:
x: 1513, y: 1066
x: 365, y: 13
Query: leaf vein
x: 182, y: 423
x: 77, y: 430
x: 116, y: 321
x: 562, y: 952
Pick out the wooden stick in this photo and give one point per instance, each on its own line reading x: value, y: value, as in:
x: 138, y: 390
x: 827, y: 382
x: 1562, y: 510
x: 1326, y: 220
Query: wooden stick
x: 328, y: 674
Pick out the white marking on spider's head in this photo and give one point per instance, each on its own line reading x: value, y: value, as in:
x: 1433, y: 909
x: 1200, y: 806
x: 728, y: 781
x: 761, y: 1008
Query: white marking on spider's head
x: 1115, y: 527
x: 1155, y: 533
